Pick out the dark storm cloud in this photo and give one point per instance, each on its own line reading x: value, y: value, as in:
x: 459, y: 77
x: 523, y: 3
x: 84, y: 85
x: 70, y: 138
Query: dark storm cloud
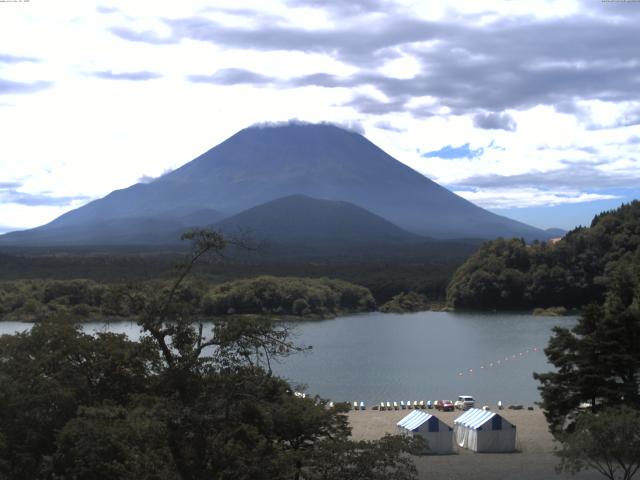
x: 513, y: 63
x: 233, y: 76
x: 495, y: 121
x: 131, y: 76
x: 578, y: 175
x: 8, y: 58
x: 9, y: 87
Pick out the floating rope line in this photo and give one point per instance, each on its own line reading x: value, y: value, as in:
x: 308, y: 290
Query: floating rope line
x: 499, y: 362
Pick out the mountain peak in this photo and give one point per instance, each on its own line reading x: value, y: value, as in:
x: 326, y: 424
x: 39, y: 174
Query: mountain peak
x: 324, y: 161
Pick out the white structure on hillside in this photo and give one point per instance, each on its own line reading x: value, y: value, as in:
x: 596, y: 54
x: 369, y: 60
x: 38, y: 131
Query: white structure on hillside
x: 484, y: 431
x: 439, y: 435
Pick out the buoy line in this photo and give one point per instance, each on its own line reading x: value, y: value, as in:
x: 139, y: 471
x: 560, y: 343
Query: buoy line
x: 499, y: 362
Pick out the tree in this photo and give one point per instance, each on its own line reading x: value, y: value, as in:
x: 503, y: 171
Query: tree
x: 181, y: 403
x: 386, y: 459
x: 598, y: 360
x: 608, y: 442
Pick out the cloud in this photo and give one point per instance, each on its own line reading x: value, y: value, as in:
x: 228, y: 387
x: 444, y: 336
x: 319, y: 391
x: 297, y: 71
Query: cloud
x: 450, y: 152
x: 319, y: 80
x: 150, y: 178
x: 528, y: 197
x: 106, y: 10
x: 146, y: 179
x: 495, y: 121
x: 467, y: 66
x: 9, y: 185
x: 506, y: 64
x: 7, y: 58
x: 577, y: 175
x: 132, y: 76
x: 11, y: 195
x: 9, y: 87
x: 146, y: 36
x: 353, y: 125
x: 233, y: 76
x: 371, y: 105
x: 357, y: 44
x: 385, y: 125
x: 340, y: 8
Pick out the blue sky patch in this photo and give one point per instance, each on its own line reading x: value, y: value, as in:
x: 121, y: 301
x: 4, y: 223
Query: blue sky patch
x: 451, y: 152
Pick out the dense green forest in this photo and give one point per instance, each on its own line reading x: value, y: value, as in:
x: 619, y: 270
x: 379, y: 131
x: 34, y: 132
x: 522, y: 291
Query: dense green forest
x: 87, y: 299
x: 81, y: 280
x: 573, y: 272
x: 384, y: 278
x: 287, y: 296
x: 181, y: 403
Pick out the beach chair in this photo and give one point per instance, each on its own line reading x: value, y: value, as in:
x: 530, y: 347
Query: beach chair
x: 395, y: 405
x: 402, y: 405
x: 355, y: 405
x: 381, y: 406
x: 362, y: 407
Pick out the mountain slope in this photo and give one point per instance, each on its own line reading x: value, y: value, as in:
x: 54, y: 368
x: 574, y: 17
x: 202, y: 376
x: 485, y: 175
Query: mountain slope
x: 149, y: 230
x: 260, y: 164
x: 299, y: 218
x: 298, y: 227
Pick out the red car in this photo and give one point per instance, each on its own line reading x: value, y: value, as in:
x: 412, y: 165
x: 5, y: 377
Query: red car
x: 444, y: 405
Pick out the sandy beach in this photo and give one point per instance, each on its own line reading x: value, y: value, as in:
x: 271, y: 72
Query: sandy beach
x: 534, y: 459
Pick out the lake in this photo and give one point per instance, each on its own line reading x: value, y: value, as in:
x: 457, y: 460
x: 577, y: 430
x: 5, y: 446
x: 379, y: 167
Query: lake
x: 378, y: 357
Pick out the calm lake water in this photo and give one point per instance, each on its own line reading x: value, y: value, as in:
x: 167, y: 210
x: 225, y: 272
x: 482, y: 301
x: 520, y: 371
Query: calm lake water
x: 428, y: 355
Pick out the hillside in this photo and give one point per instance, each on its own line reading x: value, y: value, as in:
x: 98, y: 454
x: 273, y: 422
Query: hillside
x: 299, y: 218
x: 575, y: 271
x: 261, y: 164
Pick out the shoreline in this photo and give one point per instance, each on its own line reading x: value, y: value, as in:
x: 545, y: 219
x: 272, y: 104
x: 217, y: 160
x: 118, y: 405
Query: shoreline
x: 533, y: 460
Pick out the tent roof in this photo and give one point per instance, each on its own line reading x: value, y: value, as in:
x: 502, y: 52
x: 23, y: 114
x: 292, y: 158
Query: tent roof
x: 414, y: 420
x: 475, y: 418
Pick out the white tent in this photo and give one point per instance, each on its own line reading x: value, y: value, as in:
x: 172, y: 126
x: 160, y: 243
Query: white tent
x: 484, y: 431
x: 439, y: 435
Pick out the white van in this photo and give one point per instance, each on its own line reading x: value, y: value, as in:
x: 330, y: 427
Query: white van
x: 464, y: 402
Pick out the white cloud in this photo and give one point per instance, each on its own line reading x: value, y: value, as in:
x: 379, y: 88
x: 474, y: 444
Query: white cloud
x: 86, y: 136
x: 528, y: 197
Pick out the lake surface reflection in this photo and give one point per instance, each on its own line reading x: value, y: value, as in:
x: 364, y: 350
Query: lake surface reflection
x: 428, y: 355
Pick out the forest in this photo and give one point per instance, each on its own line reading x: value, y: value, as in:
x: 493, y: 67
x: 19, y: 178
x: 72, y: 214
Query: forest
x: 571, y: 273
x: 181, y: 403
x: 81, y: 300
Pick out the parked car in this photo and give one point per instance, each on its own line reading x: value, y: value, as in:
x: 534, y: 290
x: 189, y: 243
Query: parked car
x: 464, y: 402
x: 444, y: 405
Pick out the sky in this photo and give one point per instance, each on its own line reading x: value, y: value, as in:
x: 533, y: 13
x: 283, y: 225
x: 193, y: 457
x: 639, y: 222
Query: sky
x: 528, y: 108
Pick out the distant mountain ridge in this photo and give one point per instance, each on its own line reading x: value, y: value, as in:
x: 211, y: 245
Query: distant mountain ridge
x: 261, y: 164
x: 301, y: 218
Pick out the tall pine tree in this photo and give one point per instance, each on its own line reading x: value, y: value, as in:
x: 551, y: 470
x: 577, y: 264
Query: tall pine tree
x: 598, y: 360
